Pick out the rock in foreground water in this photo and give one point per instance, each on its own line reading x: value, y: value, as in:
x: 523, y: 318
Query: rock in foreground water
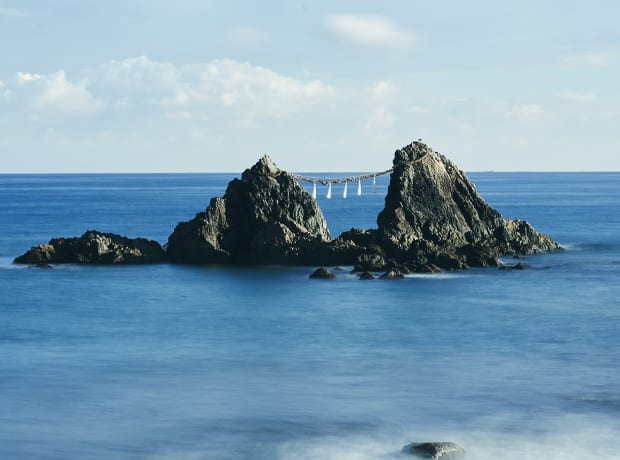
x: 434, y: 450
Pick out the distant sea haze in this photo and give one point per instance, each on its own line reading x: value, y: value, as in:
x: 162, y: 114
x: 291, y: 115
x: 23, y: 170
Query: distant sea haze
x: 168, y: 362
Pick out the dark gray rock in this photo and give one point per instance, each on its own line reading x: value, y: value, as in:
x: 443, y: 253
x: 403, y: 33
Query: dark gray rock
x: 322, y: 273
x: 434, y: 450
x: 94, y: 247
x: 264, y: 217
x: 434, y: 215
x: 367, y: 262
x: 366, y: 276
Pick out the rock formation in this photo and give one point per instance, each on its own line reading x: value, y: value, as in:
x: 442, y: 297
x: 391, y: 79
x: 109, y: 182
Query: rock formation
x: 433, y: 220
x: 94, y: 248
x: 433, y: 216
x: 264, y: 217
x: 434, y: 450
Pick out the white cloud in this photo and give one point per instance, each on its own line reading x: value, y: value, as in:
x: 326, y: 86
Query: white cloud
x: 573, y: 96
x: 54, y: 92
x: 528, y: 112
x: 223, y: 83
x: 369, y: 30
x: 590, y: 60
x: 25, y: 77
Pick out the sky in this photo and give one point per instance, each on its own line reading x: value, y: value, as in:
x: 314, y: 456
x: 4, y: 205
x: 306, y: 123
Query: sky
x: 211, y: 86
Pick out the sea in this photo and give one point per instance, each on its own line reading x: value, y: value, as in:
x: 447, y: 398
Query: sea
x: 214, y: 362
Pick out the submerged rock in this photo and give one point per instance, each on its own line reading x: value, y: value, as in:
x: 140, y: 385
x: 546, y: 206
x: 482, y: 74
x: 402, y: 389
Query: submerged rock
x: 366, y: 276
x: 322, y: 273
x: 434, y: 450
x: 94, y: 247
x: 517, y: 266
x: 264, y: 217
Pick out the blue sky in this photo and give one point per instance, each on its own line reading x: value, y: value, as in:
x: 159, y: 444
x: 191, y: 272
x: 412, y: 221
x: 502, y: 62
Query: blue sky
x: 157, y: 86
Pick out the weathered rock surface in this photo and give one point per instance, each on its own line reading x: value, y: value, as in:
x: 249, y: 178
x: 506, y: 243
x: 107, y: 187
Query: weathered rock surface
x: 94, y: 247
x: 434, y: 216
x: 434, y: 450
x: 264, y: 217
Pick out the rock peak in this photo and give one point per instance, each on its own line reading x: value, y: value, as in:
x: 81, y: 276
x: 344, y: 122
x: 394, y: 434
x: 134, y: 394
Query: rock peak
x: 414, y: 151
x: 265, y: 167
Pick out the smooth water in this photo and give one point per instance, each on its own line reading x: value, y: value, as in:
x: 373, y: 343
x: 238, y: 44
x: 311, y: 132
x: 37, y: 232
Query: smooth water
x: 175, y: 362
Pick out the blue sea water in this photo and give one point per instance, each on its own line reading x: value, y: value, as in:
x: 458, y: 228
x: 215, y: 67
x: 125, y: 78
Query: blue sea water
x: 176, y: 362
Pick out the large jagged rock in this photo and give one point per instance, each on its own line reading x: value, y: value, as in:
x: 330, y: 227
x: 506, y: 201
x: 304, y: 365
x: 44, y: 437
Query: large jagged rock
x: 94, y: 247
x: 264, y: 217
x: 434, y: 216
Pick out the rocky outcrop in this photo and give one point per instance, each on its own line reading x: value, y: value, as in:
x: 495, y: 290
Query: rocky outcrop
x: 433, y: 220
x: 434, y: 450
x: 434, y: 216
x: 94, y: 247
x: 264, y: 217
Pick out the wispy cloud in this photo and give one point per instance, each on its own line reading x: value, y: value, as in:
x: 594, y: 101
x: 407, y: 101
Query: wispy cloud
x: 247, y: 37
x: 574, y: 96
x: 528, y: 113
x: 602, y: 59
x: 369, y: 30
x: 12, y: 13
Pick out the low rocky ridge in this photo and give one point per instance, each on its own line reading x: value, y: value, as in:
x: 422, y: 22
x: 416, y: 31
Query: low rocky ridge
x: 433, y: 220
x: 94, y: 247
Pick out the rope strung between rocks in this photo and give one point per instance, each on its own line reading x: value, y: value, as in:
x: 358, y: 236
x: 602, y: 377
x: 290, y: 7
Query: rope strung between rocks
x: 346, y: 180
x: 340, y: 180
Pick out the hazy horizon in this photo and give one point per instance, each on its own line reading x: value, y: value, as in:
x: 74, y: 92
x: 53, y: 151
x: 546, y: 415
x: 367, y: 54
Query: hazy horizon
x: 202, y: 86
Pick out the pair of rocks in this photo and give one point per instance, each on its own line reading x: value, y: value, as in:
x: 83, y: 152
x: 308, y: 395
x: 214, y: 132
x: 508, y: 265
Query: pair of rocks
x: 433, y: 220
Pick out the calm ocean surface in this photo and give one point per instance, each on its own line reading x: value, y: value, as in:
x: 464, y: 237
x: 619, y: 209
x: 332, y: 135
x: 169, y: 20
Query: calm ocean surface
x: 175, y: 362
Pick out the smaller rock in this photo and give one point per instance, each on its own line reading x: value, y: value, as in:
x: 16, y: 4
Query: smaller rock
x: 366, y: 276
x: 94, y: 247
x: 393, y: 274
x: 322, y: 273
x: 434, y: 450
x: 517, y: 266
